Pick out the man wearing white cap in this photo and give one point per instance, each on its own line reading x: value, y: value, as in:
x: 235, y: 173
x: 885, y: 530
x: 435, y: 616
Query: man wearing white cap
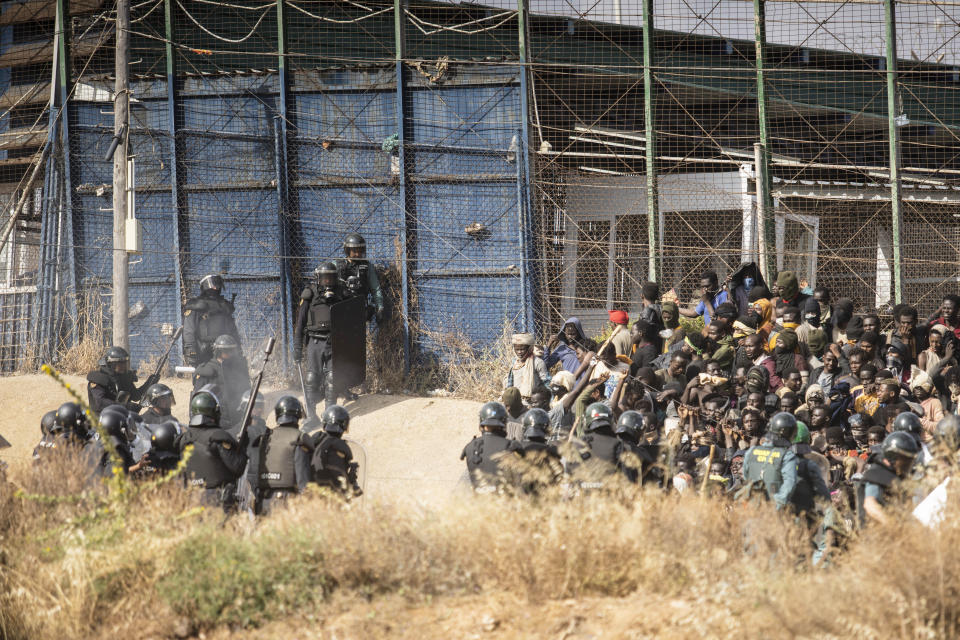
x: 528, y: 372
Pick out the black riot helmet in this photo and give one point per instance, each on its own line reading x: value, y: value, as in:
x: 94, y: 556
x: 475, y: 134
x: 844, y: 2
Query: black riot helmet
x: 117, y: 359
x: 947, y: 433
x: 909, y: 422
x: 157, y: 391
x: 783, y: 425
x: 597, y: 416
x: 211, y: 283
x: 354, y: 246
x: 335, y: 420
x: 164, y: 437
x: 71, y: 421
x: 204, y: 410
x: 493, y: 414
x: 257, y: 404
x: 225, y: 344
x: 289, y: 411
x: 326, y: 275
x: 630, y: 426
x: 113, y: 424
x: 47, y: 422
x: 536, y: 422
x: 899, y: 444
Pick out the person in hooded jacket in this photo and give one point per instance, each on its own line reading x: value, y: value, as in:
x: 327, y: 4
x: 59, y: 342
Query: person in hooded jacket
x: 562, y: 346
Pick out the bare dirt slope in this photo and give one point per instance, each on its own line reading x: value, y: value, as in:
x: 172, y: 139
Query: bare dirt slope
x: 413, y: 443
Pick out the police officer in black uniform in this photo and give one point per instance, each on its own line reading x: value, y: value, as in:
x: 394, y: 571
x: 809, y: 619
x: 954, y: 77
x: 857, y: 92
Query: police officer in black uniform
x: 115, y: 382
x: 599, y: 449
x: 70, y: 429
x: 164, y: 456
x: 883, y: 474
x: 285, y: 451
x: 113, y: 425
x: 332, y: 462
x: 771, y: 466
x: 205, y: 318
x: 484, y: 454
x: 312, y: 335
x: 359, y: 277
x: 228, y: 371
x: 910, y: 422
x: 47, y: 423
x: 160, y: 401
x: 542, y: 466
x: 218, y: 460
x: 628, y: 430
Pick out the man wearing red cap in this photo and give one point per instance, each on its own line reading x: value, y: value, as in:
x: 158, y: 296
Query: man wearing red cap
x: 621, y: 337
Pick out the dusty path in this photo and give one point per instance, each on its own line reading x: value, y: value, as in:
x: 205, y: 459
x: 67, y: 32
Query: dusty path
x: 413, y: 443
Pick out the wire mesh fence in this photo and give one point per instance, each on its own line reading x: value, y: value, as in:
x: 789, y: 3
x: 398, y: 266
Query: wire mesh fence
x: 515, y: 162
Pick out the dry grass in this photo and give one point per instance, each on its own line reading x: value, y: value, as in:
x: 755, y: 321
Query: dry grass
x: 84, y: 562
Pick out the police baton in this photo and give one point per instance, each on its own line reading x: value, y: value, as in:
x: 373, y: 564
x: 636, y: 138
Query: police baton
x: 166, y: 356
x: 303, y: 385
x: 255, y: 389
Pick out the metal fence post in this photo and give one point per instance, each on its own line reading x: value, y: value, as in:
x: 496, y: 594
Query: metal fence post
x: 523, y: 178
x: 404, y: 129
x: 175, y: 174
x: 893, y: 106
x: 283, y: 191
x: 765, y: 208
x: 64, y: 80
x: 654, y: 221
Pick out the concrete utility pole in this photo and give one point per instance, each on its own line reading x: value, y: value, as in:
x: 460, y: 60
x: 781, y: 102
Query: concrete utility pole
x: 121, y: 120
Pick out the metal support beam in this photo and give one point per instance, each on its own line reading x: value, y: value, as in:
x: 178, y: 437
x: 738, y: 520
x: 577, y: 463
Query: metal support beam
x: 524, y: 173
x: 283, y: 191
x: 654, y: 220
x: 765, y: 207
x: 893, y: 110
x: 173, y: 115
x: 406, y: 195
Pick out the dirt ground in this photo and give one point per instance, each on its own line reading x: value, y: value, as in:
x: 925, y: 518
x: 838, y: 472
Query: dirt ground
x: 413, y: 444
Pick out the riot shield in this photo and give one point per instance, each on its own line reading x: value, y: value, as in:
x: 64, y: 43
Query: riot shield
x: 348, y: 339
x: 360, y: 458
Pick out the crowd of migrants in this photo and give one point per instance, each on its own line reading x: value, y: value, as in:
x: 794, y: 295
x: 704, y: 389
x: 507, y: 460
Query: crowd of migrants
x: 235, y: 459
x: 785, y: 396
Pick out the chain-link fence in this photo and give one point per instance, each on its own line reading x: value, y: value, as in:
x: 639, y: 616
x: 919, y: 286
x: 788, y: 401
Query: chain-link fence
x: 510, y: 163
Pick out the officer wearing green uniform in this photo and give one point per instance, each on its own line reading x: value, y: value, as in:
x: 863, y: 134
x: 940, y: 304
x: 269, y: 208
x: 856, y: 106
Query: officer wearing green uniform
x: 284, y: 456
x: 358, y: 275
x: 772, y: 465
x: 811, y: 487
x: 897, y: 455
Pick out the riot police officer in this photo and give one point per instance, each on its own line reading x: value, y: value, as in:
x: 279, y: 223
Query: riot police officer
x: 113, y: 425
x: 205, y: 318
x: 70, y: 428
x: 772, y: 465
x: 47, y: 423
x: 628, y: 430
x: 312, y: 334
x: 160, y: 401
x: 218, y: 460
x: 284, y: 465
x: 811, y: 486
x: 898, y: 453
x: 332, y: 462
x: 164, y: 456
x: 542, y: 466
x: 910, y: 423
x: 599, y: 449
x: 114, y: 382
x: 228, y: 371
x: 359, y: 277
x: 485, y: 452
